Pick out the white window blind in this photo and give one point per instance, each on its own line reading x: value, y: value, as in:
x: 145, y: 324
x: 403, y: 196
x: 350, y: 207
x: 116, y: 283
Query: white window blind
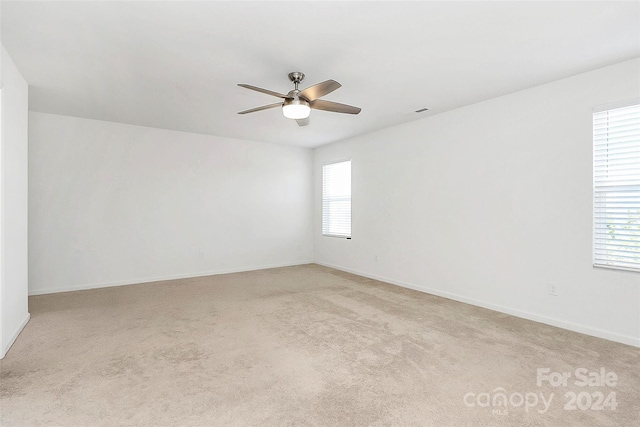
x: 616, y: 183
x: 336, y: 199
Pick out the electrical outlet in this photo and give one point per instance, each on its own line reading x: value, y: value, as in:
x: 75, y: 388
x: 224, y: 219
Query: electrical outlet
x: 375, y: 257
x: 553, y: 289
x: 201, y: 254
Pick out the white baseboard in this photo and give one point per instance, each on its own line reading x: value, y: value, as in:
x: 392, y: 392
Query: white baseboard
x: 587, y: 330
x: 159, y: 278
x: 7, y: 346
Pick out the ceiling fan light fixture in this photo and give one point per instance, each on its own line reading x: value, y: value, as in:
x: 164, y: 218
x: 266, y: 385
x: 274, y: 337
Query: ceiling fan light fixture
x: 296, y: 109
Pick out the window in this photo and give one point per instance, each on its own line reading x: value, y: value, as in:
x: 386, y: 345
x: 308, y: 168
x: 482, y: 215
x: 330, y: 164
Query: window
x: 336, y: 199
x: 616, y: 187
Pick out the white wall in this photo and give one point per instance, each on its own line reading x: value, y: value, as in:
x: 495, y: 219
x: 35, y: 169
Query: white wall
x: 14, y: 313
x: 488, y: 203
x: 116, y: 204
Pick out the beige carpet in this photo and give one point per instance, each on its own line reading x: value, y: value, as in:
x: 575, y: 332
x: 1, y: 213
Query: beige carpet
x: 303, y: 345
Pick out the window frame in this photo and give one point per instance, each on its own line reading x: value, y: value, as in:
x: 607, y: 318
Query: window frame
x: 323, y: 199
x: 600, y: 191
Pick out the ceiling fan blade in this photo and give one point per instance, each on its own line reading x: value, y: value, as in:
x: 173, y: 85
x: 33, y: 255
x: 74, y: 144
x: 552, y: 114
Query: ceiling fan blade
x: 303, y: 122
x: 264, y: 107
x: 259, y: 89
x: 336, y: 107
x: 321, y: 89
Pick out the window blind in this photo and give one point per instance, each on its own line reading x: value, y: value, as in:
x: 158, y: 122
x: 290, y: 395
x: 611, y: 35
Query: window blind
x: 336, y: 199
x: 616, y: 184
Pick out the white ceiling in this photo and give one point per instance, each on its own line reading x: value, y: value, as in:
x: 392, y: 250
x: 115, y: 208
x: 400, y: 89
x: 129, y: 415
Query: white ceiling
x: 175, y: 65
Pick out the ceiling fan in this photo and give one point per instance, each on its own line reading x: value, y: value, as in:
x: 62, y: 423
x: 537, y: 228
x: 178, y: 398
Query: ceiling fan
x: 297, y: 104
